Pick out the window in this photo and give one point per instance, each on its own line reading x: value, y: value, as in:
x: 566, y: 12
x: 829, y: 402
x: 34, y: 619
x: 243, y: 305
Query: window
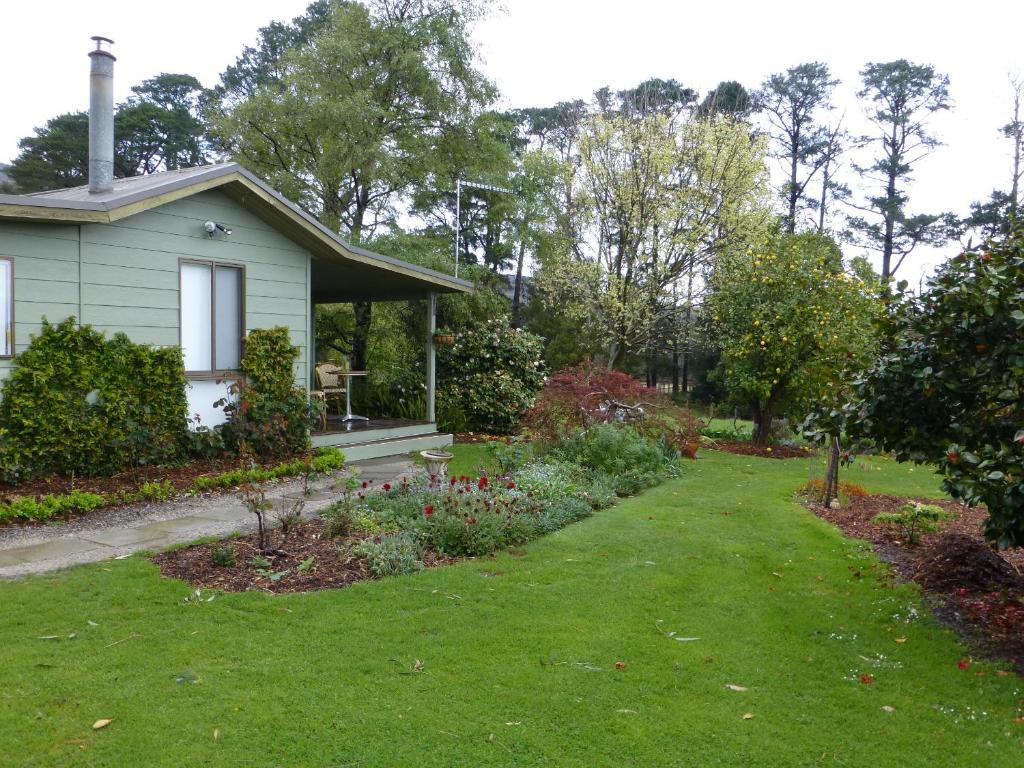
x: 6, y: 307
x: 211, y: 316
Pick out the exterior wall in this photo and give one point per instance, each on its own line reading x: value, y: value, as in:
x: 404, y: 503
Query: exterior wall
x: 124, y: 276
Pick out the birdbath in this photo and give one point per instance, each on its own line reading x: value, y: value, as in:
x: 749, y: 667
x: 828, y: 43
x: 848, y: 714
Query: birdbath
x: 437, y: 465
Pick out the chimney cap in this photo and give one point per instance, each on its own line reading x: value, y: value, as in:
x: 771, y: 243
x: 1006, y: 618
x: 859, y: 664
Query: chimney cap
x: 102, y: 45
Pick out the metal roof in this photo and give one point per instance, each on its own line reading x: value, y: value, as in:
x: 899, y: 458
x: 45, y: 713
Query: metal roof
x: 349, y: 273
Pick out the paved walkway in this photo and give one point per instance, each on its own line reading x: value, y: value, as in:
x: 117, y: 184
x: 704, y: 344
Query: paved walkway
x: 111, y: 533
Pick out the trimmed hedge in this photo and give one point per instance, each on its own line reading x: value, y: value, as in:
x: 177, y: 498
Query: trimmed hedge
x: 79, y: 403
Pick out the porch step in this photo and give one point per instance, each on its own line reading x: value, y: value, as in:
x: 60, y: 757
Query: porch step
x: 395, y: 446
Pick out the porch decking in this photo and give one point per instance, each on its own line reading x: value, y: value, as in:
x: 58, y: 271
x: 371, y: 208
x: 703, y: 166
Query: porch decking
x: 380, y: 437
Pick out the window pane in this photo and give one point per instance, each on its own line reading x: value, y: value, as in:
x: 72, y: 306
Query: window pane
x: 6, y: 308
x: 229, y: 318
x: 196, y: 308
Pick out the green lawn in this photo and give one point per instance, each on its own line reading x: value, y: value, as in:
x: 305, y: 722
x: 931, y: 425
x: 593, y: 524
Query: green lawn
x: 512, y: 660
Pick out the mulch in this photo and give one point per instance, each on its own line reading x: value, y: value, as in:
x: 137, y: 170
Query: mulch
x: 331, y: 567
x: 746, y: 448
x: 973, y: 589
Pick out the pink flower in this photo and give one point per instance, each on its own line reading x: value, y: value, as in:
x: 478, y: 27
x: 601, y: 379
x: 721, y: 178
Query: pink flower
x: 428, y: 510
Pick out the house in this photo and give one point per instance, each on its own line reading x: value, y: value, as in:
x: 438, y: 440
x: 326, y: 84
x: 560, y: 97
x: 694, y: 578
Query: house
x: 197, y: 258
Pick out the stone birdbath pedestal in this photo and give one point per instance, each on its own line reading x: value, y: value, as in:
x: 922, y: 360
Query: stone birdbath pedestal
x: 437, y: 466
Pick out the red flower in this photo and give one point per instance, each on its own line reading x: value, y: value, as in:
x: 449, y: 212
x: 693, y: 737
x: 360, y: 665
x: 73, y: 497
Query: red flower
x: 867, y: 679
x: 471, y: 521
x: 365, y: 484
x: 963, y: 664
x: 511, y: 486
x: 386, y: 487
x: 464, y: 478
x: 453, y: 481
x: 482, y: 482
x: 428, y: 510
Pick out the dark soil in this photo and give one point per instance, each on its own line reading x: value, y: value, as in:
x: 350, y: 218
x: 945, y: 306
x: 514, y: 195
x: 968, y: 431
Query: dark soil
x: 331, y: 565
x: 973, y: 589
x: 747, y: 448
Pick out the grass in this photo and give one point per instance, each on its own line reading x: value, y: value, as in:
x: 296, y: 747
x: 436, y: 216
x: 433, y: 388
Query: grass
x: 469, y: 459
x: 512, y: 660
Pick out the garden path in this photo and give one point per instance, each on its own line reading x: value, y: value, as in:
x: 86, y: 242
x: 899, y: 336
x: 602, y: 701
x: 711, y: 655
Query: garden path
x: 113, y: 533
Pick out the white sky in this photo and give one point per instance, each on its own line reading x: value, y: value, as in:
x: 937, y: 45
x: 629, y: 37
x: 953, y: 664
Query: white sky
x: 543, y: 51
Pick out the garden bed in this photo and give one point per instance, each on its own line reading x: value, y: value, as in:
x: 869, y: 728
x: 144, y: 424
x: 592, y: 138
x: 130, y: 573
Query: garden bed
x: 973, y: 589
x: 307, y: 560
x: 746, y: 448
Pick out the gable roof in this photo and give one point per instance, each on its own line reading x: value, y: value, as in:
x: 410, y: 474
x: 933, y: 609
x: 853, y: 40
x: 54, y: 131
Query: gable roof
x: 349, y: 273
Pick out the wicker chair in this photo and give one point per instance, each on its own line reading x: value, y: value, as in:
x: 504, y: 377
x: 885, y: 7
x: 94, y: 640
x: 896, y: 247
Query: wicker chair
x: 328, y: 379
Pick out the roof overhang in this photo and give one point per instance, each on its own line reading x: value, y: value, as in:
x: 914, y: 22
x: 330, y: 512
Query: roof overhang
x: 342, y: 272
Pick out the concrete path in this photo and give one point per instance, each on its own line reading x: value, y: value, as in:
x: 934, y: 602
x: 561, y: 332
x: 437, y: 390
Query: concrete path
x: 110, y: 533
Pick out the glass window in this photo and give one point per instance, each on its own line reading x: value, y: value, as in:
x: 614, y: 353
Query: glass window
x: 228, y: 308
x: 6, y: 307
x: 211, y: 317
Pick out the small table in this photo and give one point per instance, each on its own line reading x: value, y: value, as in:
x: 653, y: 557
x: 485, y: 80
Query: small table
x: 349, y: 416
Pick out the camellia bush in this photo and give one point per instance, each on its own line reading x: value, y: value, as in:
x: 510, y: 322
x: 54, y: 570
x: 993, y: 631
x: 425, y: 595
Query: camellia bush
x: 949, y: 388
x: 792, y: 324
x: 489, y: 377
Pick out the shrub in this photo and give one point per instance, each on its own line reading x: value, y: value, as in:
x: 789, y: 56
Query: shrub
x: 489, y: 377
x: 79, y: 403
x: 272, y: 416
x: 222, y: 557
x: 815, y: 488
x: 391, y: 554
x: 631, y: 461
x: 51, y: 505
x: 586, y: 394
x: 913, y: 520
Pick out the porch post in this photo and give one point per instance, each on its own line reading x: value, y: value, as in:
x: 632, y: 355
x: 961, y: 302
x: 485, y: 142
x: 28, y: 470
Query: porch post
x: 431, y: 357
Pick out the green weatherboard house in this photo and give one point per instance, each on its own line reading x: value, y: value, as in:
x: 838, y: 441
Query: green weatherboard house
x: 196, y: 258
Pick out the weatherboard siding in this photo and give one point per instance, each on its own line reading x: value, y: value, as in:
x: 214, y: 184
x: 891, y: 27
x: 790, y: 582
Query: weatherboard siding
x: 124, y: 276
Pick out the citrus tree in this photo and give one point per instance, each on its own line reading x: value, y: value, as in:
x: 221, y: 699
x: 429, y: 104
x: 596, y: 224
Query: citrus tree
x: 949, y: 389
x: 792, y: 325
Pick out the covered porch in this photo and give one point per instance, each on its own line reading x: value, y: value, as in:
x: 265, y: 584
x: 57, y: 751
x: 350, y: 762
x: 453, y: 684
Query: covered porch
x: 361, y: 276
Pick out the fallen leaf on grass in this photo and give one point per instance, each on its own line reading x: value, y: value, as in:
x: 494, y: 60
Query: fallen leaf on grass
x: 963, y: 664
x: 889, y: 709
x: 732, y: 687
x: 627, y: 711
x: 1018, y: 719
x: 216, y: 734
x: 776, y: 573
x: 901, y: 640
x: 620, y: 665
x: 102, y: 723
x: 514, y: 722
x: 748, y: 715
x: 867, y: 679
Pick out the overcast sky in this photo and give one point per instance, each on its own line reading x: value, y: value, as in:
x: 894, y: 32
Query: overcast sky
x: 543, y: 51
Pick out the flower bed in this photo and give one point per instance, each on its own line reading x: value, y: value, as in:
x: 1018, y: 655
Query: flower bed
x: 406, y: 527
x: 977, y: 591
x: 53, y: 498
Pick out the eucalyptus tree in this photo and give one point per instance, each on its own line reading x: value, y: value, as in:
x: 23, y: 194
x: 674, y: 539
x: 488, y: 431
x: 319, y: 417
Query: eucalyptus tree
x: 793, y: 102
x: 899, y: 97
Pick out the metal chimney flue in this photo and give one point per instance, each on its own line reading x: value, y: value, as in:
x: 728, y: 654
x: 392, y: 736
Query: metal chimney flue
x: 101, y: 117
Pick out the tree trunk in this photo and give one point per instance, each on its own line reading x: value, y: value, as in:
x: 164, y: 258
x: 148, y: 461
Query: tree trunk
x: 517, y: 293
x: 675, y: 367
x: 832, y: 473
x: 361, y: 336
x: 763, y: 415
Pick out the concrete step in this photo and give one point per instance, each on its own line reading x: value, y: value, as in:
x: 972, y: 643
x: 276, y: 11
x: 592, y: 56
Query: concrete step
x: 396, y: 446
